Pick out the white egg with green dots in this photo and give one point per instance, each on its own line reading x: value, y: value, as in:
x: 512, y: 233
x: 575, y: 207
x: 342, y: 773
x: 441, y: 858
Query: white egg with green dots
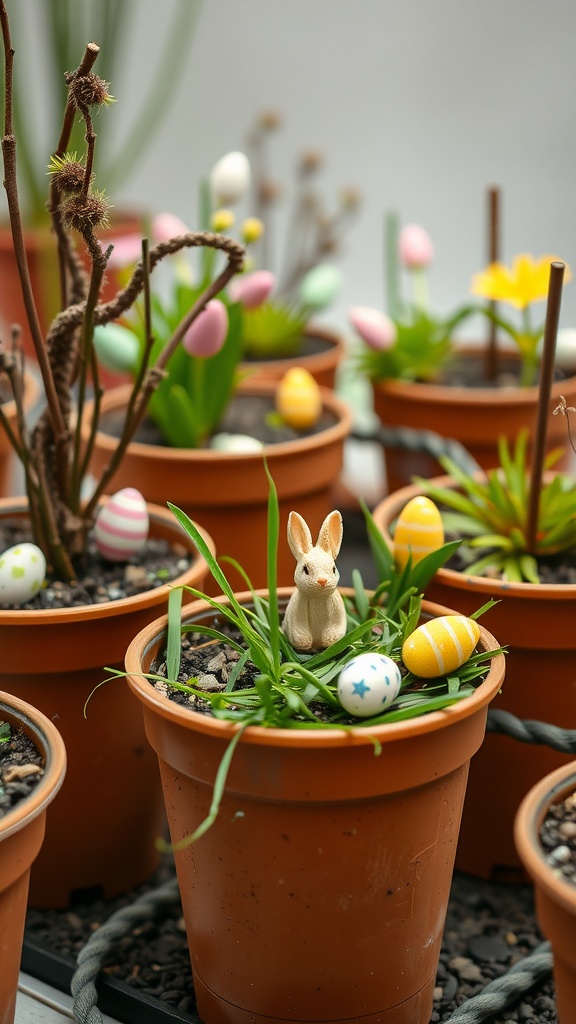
x: 368, y: 684
x: 22, y: 573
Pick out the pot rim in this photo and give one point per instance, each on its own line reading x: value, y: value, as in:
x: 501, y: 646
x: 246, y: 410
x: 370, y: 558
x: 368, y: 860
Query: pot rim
x: 390, y: 507
x: 47, y: 738
x: 260, y: 735
x: 529, y: 817
x: 335, y: 351
x: 330, y: 402
x: 427, y: 393
x: 45, y: 616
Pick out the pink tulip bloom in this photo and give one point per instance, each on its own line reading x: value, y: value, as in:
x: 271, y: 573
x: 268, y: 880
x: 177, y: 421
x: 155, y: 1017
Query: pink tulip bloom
x: 166, y: 226
x: 373, y: 326
x: 415, y: 247
x: 207, y: 334
x: 126, y: 252
x: 252, y: 289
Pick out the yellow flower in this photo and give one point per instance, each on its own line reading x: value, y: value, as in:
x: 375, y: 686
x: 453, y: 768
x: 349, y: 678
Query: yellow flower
x: 252, y: 229
x: 525, y: 282
x: 222, y: 220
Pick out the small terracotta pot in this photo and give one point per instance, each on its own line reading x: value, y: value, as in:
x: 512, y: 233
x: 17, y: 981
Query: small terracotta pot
x: 535, y: 622
x: 21, y: 835
x: 322, y: 364
x: 476, y: 417
x: 7, y: 457
x: 228, y: 493
x: 555, y: 897
x: 111, y: 796
x: 320, y: 892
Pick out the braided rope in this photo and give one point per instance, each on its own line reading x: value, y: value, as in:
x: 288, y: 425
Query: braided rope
x: 502, y: 992
x: 421, y: 441
x: 528, y: 731
x: 92, y: 955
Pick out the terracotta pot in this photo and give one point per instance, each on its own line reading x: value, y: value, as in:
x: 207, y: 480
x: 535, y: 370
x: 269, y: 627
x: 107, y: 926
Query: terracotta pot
x: 536, y: 623
x: 476, y: 417
x: 43, y: 266
x: 228, y: 493
x: 21, y: 835
x: 555, y: 897
x: 112, y: 792
x: 320, y: 892
x: 322, y: 364
x: 8, y: 461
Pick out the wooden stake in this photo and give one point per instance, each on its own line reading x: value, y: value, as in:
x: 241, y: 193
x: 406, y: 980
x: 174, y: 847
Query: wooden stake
x: 544, y: 391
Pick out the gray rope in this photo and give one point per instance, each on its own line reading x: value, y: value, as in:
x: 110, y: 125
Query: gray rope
x: 421, y: 441
x: 502, y: 992
x: 92, y: 955
x: 532, y: 732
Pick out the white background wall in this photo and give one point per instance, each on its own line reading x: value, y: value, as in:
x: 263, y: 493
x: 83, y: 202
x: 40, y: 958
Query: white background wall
x: 421, y: 104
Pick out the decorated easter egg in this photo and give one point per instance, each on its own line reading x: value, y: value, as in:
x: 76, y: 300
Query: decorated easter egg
x: 320, y: 286
x: 22, y: 573
x: 440, y: 646
x: 298, y: 399
x: 368, y: 684
x: 419, y: 531
x: 235, y: 443
x: 121, y: 526
x: 117, y: 348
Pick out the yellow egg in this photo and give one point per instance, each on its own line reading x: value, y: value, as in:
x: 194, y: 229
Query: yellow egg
x: 298, y: 399
x: 419, y: 531
x: 440, y: 646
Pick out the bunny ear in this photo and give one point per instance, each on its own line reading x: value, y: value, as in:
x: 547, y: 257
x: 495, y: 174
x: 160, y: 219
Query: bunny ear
x: 330, y: 536
x: 299, y: 536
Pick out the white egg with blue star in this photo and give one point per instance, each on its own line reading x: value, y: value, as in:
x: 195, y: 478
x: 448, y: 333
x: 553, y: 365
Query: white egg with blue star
x: 22, y: 573
x: 368, y: 684
x: 121, y: 526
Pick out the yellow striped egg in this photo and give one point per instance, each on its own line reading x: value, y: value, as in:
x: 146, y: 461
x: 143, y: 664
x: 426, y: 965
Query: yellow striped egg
x: 298, y: 399
x: 419, y: 531
x: 440, y: 646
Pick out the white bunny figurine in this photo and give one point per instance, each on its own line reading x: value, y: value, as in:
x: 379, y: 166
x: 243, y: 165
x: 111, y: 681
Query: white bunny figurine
x: 315, y: 616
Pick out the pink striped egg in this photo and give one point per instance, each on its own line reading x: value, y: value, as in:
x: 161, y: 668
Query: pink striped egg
x: 440, y: 646
x: 121, y: 526
x: 419, y: 531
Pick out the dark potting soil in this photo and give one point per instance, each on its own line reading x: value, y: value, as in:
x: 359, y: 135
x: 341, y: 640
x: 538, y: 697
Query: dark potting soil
x: 470, y: 372
x: 489, y: 927
x: 247, y: 414
x: 21, y: 767
x: 560, y: 568
x: 98, y: 581
x: 558, y: 838
x: 307, y: 345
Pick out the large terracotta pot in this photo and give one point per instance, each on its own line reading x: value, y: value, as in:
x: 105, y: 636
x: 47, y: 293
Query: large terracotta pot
x: 54, y: 659
x: 320, y: 892
x: 21, y: 835
x: 228, y: 493
x: 536, y: 623
x: 8, y: 461
x: 476, y: 417
x: 322, y: 364
x: 555, y: 897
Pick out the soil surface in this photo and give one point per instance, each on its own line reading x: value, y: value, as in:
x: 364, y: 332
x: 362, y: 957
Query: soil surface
x: 21, y: 767
x: 247, y: 414
x: 470, y: 372
x: 99, y: 581
x: 558, y: 837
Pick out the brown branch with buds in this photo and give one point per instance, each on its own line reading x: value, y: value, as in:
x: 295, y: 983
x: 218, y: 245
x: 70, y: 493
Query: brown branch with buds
x: 55, y: 456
